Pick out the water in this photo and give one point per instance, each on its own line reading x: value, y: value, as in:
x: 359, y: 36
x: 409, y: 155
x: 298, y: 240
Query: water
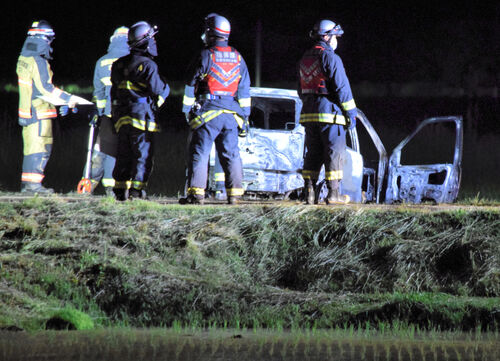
x: 183, y: 345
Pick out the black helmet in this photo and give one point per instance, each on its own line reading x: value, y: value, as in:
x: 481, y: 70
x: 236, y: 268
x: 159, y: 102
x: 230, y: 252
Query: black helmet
x: 42, y: 29
x: 140, y: 33
x: 325, y: 27
x: 216, y: 26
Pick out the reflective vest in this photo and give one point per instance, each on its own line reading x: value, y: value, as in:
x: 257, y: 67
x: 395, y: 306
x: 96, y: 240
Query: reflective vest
x: 224, y: 75
x: 312, y: 77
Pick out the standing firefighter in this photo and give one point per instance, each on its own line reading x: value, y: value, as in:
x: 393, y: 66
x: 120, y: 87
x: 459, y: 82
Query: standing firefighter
x: 137, y: 91
x: 35, y: 115
x: 328, y: 110
x: 104, y: 151
x: 217, y: 106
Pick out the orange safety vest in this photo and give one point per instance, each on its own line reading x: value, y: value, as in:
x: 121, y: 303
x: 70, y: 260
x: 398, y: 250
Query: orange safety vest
x: 224, y: 74
x: 312, y: 77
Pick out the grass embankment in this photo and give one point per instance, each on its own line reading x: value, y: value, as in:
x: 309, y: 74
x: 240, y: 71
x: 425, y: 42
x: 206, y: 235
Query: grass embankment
x: 275, y: 266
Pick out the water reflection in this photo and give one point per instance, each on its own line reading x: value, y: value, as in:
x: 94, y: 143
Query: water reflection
x: 182, y: 345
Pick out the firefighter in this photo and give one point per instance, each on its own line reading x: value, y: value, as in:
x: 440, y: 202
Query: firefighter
x: 104, y: 152
x: 137, y: 92
x: 35, y: 115
x: 217, y: 106
x: 328, y: 111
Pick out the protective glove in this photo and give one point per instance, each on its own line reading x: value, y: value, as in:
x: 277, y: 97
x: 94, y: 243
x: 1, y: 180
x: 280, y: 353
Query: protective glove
x: 243, y: 131
x: 64, y: 110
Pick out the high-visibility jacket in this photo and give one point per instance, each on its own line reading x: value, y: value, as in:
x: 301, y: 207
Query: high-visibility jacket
x: 324, y: 88
x: 219, y: 81
x: 118, y: 47
x: 137, y: 91
x: 35, y: 80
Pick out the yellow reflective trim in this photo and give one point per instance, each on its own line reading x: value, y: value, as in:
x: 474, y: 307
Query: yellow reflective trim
x: 323, y: 118
x: 121, y: 185
x: 108, y: 182
x: 139, y: 185
x: 310, y: 174
x: 196, y: 191
x: 126, y: 84
x: 101, y: 103
x: 245, y: 102
x: 105, y: 62
x: 106, y: 80
x: 188, y: 101
x: 136, y: 123
x: 235, y: 191
x: 334, y: 175
x: 211, y: 114
x: 219, y: 177
x: 349, y: 105
x: 160, y: 101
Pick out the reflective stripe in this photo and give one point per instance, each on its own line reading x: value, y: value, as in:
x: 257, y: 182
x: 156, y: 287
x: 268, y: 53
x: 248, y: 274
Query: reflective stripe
x: 160, y: 101
x: 196, y: 191
x: 310, y: 174
x: 211, y: 114
x: 323, y: 118
x: 245, y: 102
x: 32, y: 177
x: 23, y: 82
x: 136, y: 123
x: 108, y: 182
x: 106, y: 80
x: 139, y: 185
x: 50, y: 113
x: 188, y: 101
x: 24, y: 114
x: 126, y: 84
x: 334, y: 175
x: 121, y: 185
x: 235, y: 191
x: 101, y: 103
x: 349, y: 105
x: 219, y: 177
x: 110, y: 61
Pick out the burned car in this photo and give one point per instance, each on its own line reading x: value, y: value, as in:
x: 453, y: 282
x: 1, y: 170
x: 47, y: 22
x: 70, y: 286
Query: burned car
x: 272, y: 157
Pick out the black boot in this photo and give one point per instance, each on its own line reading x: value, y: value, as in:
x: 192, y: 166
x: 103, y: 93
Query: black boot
x: 120, y: 194
x: 192, y: 199
x: 35, y: 188
x: 135, y: 193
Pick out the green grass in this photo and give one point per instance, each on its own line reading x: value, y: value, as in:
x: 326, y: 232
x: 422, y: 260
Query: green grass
x: 279, y: 267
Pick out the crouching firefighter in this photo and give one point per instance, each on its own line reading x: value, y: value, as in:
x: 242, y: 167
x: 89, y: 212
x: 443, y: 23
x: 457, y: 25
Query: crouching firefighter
x: 137, y: 92
x: 328, y: 111
x: 35, y: 115
x: 217, y: 106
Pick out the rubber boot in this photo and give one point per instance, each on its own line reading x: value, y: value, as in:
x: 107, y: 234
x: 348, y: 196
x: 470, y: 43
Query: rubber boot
x: 192, y: 199
x: 135, y: 193
x: 35, y: 188
x: 334, y: 197
x: 120, y: 194
x: 233, y: 200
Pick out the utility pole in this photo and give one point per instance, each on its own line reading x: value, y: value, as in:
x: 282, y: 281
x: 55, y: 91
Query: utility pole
x: 258, y: 52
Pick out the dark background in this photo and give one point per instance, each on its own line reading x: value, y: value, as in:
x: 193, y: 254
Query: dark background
x: 406, y: 61
x: 383, y: 41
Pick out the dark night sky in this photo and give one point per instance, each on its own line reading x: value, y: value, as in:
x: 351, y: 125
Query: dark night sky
x: 393, y: 43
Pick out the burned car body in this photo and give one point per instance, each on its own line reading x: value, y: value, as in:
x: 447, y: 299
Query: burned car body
x: 272, y: 157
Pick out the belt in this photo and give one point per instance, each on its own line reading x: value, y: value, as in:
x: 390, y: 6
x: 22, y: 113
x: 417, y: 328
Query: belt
x: 213, y: 97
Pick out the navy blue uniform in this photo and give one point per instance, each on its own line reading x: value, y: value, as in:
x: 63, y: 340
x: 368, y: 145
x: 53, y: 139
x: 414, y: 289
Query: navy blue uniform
x: 328, y: 105
x: 220, y: 84
x: 137, y: 92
